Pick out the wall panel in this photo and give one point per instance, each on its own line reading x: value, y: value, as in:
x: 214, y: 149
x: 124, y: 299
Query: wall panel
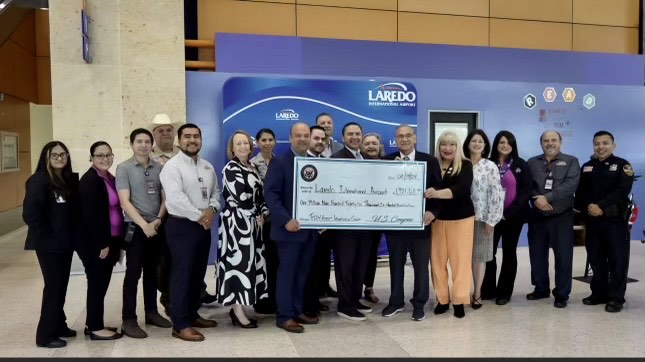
x: 431, y: 28
x: 449, y: 7
x: 530, y: 34
x: 359, y: 4
x: 344, y: 23
x: 605, y: 39
x: 606, y: 12
x: 542, y: 10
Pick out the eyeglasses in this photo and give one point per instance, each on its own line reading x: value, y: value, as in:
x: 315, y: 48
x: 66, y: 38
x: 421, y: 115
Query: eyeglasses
x: 103, y: 157
x: 404, y: 136
x: 55, y: 156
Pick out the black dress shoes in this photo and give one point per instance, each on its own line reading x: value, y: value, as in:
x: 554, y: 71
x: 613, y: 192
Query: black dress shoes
x: 57, y: 343
x: 502, y: 301
x: 68, y: 333
x: 560, y: 303
x: 537, y: 295
x: 594, y: 300
x: 613, y: 307
x: 441, y: 308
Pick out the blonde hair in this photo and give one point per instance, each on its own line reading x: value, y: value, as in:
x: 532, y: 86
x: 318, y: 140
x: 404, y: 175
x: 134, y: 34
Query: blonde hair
x: 229, y: 148
x: 448, y: 138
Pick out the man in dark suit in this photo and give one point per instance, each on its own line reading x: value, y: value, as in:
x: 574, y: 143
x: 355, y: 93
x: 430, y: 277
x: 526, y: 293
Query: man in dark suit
x: 351, y: 246
x: 295, y: 246
x: 416, y: 242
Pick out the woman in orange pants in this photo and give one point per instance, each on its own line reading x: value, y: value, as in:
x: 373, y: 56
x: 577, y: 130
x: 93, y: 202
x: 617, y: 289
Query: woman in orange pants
x: 453, y: 229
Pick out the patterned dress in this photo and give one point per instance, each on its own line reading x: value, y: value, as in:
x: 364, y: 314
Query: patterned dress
x: 242, y: 275
x: 488, y: 199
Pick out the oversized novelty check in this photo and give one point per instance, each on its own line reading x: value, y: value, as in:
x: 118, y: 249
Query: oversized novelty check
x: 359, y: 194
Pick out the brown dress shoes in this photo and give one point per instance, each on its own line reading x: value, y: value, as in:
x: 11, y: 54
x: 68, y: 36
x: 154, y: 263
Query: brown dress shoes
x: 291, y: 326
x: 188, y: 334
x: 303, y: 319
x: 203, y: 323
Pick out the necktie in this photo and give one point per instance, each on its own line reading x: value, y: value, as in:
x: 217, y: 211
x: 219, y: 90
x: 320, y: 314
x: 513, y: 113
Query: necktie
x: 406, y: 158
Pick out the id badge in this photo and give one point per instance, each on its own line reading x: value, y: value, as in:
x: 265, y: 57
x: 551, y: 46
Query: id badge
x: 60, y: 199
x: 151, y: 187
x: 204, y: 193
x: 548, y: 184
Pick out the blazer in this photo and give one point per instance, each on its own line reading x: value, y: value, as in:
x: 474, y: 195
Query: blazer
x: 345, y: 153
x: 433, y: 179
x: 52, y: 225
x: 336, y: 146
x: 278, y: 195
x: 519, y: 209
x: 96, y: 229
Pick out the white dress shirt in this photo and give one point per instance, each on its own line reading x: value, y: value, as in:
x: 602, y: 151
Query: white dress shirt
x: 411, y: 156
x: 183, y: 181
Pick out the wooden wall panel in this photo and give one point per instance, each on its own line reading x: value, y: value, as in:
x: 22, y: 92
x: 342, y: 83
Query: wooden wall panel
x: 42, y: 33
x: 606, y: 12
x: 44, y: 76
x: 431, y: 28
x: 8, y: 114
x: 543, y: 10
x: 6, y: 67
x: 605, y: 39
x: 24, y: 65
x: 530, y: 34
x: 14, y: 117
x: 22, y: 127
x: 271, y: 1
x: 344, y: 23
x: 24, y: 35
x: 9, y: 186
x: 359, y: 4
x: 448, y: 7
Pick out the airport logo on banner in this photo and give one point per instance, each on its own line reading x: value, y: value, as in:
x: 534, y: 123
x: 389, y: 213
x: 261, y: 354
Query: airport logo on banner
x: 392, y: 95
x: 287, y: 115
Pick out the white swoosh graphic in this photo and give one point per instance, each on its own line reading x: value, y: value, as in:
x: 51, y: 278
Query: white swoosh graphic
x: 313, y: 101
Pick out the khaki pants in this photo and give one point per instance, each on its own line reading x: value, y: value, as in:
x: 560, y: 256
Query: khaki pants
x: 452, y: 242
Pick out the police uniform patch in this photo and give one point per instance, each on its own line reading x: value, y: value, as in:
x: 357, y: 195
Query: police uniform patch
x: 587, y: 169
x: 561, y: 163
x: 613, y: 167
x: 628, y: 170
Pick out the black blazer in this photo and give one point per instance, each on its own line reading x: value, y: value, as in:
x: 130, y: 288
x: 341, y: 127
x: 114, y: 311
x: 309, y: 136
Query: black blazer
x: 345, y: 153
x: 433, y: 179
x: 52, y: 225
x: 519, y: 210
x: 95, y: 208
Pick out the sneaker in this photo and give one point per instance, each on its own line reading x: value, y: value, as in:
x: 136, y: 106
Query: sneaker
x: 391, y: 310
x: 363, y: 308
x: 418, y: 314
x: 131, y: 329
x: 155, y: 319
x: 352, y: 314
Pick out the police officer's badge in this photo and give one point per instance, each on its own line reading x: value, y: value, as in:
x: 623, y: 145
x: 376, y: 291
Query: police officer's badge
x: 628, y: 170
x: 309, y: 173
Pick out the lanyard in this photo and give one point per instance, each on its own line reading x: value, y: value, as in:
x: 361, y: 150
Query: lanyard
x: 504, y: 169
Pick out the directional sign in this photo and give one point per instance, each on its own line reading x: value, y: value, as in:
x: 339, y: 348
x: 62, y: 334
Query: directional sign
x: 589, y: 101
x: 549, y: 94
x: 529, y: 101
x: 569, y: 94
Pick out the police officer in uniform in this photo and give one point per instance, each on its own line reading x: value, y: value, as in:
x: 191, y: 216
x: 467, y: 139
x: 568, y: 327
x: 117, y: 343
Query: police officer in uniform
x: 602, y: 197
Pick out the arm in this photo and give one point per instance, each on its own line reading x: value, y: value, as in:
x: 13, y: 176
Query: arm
x: 568, y: 185
x: 273, y: 184
x: 216, y: 195
x: 580, y: 203
x: 433, y: 180
x: 89, y: 205
x: 34, y: 209
x: 495, y: 209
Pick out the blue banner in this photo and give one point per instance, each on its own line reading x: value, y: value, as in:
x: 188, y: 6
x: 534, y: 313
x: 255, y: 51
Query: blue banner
x: 254, y: 103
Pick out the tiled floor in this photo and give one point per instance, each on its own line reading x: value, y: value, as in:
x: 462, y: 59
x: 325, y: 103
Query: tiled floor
x: 521, y: 328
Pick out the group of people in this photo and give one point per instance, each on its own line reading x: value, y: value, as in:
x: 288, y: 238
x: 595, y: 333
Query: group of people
x: 163, y: 201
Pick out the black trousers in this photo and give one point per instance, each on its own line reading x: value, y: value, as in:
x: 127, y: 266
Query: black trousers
x: 142, y: 255
x: 322, y: 262
x: 419, y: 248
x: 509, y: 232
x: 370, y: 272
x: 351, y: 253
x: 189, y: 246
x: 55, y: 268
x: 555, y: 232
x: 99, y: 274
x: 271, y: 260
x: 607, y: 244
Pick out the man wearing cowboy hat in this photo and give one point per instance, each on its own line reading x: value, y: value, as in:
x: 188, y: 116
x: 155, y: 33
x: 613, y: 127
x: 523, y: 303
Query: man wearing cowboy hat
x: 163, y: 132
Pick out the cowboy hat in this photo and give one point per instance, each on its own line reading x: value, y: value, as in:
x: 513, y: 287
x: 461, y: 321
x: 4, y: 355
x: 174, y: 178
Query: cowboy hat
x: 162, y: 120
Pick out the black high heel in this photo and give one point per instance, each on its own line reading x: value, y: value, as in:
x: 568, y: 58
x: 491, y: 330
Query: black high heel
x: 236, y: 320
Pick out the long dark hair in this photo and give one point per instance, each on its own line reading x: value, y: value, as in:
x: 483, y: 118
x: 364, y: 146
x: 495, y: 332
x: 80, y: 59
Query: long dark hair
x: 494, y: 154
x: 470, y: 136
x: 60, y: 184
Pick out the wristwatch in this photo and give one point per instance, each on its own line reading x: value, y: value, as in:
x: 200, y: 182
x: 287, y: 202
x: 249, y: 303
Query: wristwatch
x: 214, y: 210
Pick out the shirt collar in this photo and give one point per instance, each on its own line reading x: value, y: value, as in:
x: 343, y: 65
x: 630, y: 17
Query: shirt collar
x: 134, y: 161
x: 411, y: 155
x: 355, y: 153
x: 184, y: 157
x: 309, y: 153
